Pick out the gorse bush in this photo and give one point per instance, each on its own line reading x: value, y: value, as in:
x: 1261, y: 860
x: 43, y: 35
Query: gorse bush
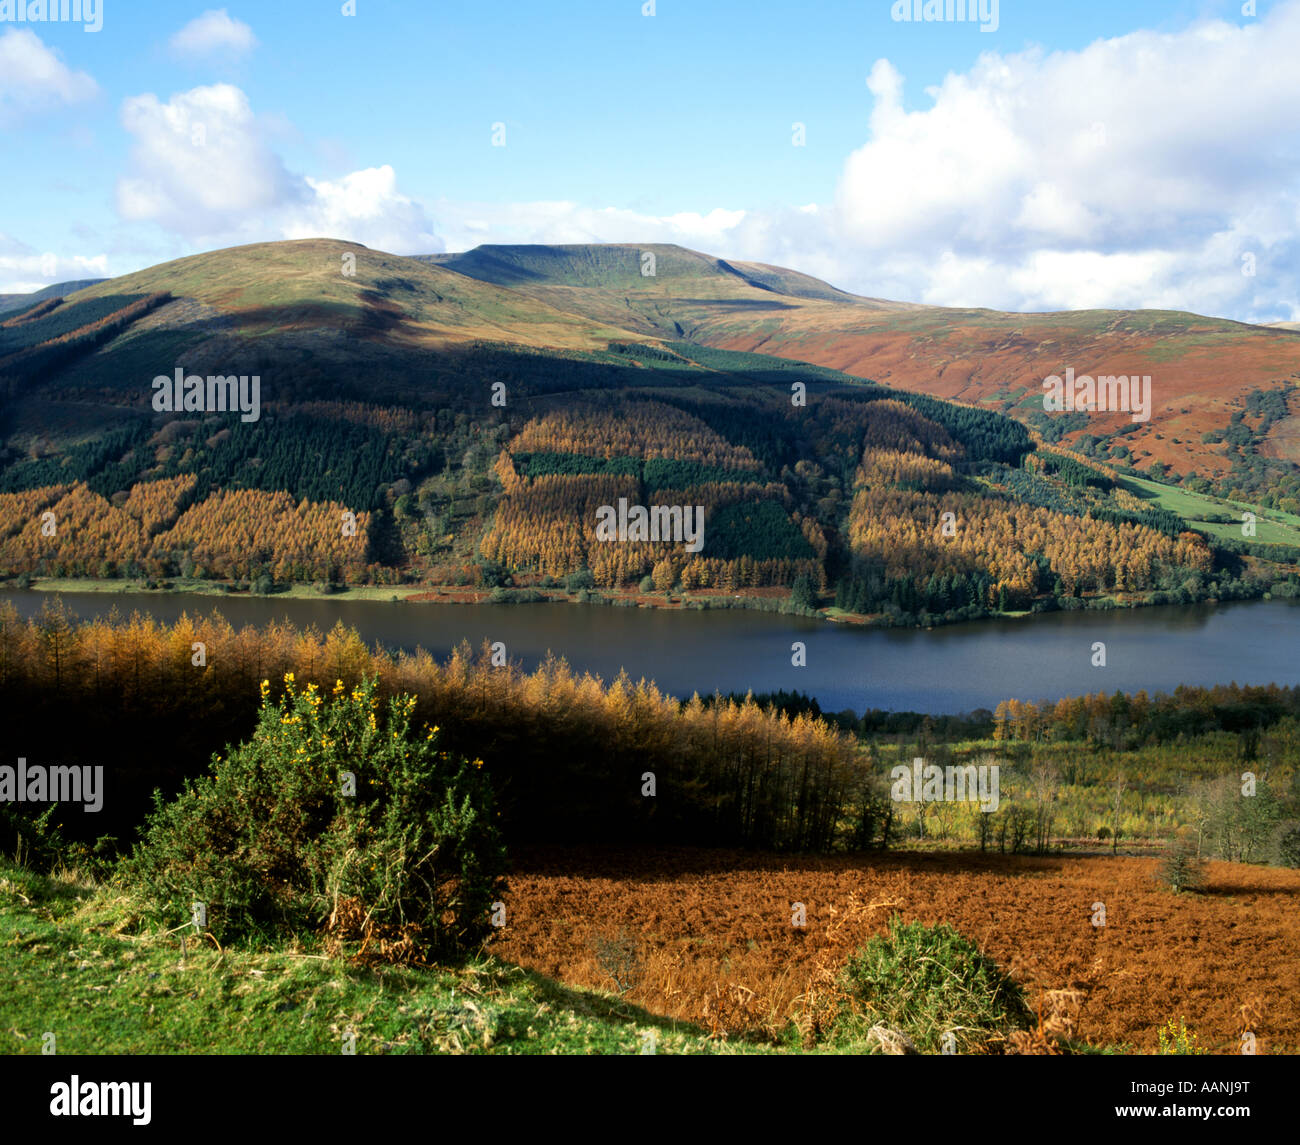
x: 1175, y: 1038
x: 926, y: 981
x: 334, y: 814
x: 29, y: 837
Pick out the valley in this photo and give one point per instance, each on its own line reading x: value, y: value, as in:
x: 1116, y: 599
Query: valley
x: 457, y: 422
x: 638, y: 500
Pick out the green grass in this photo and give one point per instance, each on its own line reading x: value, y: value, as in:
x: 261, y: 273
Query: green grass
x: 78, y: 963
x: 352, y: 592
x: 1273, y: 526
x: 208, y: 588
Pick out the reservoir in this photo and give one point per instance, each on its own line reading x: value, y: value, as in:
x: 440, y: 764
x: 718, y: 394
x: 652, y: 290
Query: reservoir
x: 953, y: 669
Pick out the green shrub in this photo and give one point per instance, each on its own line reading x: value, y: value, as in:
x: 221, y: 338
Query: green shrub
x: 273, y: 844
x: 926, y: 981
x: 1182, y: 868
x: 583, y: 578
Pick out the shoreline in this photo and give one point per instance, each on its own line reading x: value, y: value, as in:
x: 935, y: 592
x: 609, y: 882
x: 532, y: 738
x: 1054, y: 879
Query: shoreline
x: 750, y: 600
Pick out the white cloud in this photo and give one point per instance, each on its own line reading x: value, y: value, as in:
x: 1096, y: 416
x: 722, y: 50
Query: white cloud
x: 203, y: 168
x: 1133, y: 172
x: 365, y: 207
x: 199, y: 164
x: 213, y: 33
x: 33, y: 78
x: 24, y: 269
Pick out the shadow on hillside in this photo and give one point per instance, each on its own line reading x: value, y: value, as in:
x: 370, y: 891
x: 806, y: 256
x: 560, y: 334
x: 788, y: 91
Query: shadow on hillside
x: 608, y: 1008
x: 742, y: 304
x: 1227, y: 888
x: 651, y: 864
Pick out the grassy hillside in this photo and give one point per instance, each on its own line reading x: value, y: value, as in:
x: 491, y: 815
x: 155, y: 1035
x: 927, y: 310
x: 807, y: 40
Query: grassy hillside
x: 307, y: 284
x: 141, y: 991
x: 638, y: 268
x: 1202, y: 368
x: 1208, y: 513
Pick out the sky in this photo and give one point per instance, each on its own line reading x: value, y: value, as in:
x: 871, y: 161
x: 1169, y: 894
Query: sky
x: 1035, y: 155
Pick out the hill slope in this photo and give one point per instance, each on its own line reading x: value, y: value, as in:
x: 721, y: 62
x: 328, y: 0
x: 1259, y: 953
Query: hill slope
x: 309, y: 284
x: 1202, y: 369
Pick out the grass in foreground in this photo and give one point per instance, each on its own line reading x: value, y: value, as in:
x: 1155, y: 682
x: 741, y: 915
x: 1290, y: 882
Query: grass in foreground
x: 78, y: 964
x: 81, y: 964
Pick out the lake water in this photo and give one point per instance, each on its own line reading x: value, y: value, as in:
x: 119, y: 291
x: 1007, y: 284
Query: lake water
x: 947, y: 670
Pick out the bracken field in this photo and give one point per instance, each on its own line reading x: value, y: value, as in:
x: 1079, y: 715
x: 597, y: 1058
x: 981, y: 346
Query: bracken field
x: 706, y: 936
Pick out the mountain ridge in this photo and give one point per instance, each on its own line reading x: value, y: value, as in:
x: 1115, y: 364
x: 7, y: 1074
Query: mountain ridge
x: 973, y: 355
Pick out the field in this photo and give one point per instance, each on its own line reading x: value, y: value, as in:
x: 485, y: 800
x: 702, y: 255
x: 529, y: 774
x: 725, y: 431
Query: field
x: 1273, y: 527
x: 202, y: 588
x: 714, y: 942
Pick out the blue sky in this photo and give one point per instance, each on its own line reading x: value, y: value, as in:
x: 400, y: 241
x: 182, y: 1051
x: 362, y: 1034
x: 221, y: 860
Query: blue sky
x: 1079, y: 154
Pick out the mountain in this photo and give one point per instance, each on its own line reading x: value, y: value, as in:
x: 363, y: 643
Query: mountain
x: 12, y: 302
x: 305, y: 286
x: 416, y: 421
x: 1203, y: 370
x: 623, y: 266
